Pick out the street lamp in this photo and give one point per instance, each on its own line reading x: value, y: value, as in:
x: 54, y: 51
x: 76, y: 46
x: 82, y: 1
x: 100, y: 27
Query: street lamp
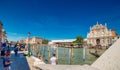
x: 3, y: 35
x: 28, y: 44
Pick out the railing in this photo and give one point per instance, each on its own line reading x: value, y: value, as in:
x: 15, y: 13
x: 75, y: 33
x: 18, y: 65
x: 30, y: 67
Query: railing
x: 64, y: 55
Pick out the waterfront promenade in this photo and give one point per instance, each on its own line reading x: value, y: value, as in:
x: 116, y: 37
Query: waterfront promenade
x: 19, y: 62
x: 108, y: 61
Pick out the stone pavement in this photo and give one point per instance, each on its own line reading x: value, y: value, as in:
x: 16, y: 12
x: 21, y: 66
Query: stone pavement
x: 66, y: 67
x: 19, y: 62
x: 31, y: 61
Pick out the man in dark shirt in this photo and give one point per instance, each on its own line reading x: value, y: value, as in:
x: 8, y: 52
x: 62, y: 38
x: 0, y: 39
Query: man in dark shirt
x: 7, y: 62
x: 3, y: 49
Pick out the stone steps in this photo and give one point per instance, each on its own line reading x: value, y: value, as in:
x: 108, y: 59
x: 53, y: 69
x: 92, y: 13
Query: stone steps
x: 110, y: 60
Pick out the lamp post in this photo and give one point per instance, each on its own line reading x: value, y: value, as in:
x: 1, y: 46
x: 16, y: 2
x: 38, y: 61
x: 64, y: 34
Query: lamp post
x: 28, y: 44
x: 3, y: 36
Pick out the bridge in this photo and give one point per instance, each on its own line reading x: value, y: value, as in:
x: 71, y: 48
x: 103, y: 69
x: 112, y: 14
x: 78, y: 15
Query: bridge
x: 110, y: 60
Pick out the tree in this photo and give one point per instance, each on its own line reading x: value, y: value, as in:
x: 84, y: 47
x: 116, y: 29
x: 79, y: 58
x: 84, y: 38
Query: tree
x: 45, y: 41
x: 79, y: 40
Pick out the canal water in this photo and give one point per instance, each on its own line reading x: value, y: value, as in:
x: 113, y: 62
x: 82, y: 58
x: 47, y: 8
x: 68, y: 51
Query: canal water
x: 75, y: 56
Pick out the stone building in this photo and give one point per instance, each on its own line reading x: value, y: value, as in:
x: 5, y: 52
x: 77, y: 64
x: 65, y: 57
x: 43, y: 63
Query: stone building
x: 103, y: 34
x: 32, y: 40
x: 2, y: 33
x: 4, y: 37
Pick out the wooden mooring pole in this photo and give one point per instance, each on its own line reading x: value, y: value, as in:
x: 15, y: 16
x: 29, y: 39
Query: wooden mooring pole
x: 49, y: 52
x: 72, y: 55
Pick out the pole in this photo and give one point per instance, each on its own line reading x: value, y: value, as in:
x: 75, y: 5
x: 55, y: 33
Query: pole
x: 57, y: 52
x: 72, y: 55
x: 3, y: 36
x: 69, y: 55
x: 49, y: 53
x: 84, y: 52
x: 43, y: 52
x: 28, y: 44
x: 64, y: 52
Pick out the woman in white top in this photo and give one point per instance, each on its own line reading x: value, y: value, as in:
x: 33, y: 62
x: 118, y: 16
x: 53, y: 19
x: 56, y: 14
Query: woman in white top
x: 53, y: 60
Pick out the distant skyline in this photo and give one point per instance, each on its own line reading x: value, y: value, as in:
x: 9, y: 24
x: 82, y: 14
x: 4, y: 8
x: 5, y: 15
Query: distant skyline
x: 57, y: 19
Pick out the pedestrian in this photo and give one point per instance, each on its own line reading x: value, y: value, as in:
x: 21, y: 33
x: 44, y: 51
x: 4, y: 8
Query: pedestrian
x: 7, y: 62
x: 8, y: 46
x: 39, y: 57
x: 3, y: 49
x: 53, y: 60
x: 16, y: 48
x: 8, y: 52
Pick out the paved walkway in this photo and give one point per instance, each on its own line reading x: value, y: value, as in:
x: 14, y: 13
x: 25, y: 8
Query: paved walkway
x: 26, y: 63
x: 66, y: 67
x: 19, y: 62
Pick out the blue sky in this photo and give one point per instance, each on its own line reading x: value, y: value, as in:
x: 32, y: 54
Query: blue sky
x: 57, y: 19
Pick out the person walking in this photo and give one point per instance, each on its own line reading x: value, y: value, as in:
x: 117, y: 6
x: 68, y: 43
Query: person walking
x: 39, y: 57
x: 7, y: 62
x: 3, y: 49
x: 16, y: 48
x: 53, y: 60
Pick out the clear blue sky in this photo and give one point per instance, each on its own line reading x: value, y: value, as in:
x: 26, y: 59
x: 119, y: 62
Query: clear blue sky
x: 57, y: 19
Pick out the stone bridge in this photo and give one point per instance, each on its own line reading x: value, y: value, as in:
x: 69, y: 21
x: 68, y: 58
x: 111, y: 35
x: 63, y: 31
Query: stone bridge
x: 110, y: 60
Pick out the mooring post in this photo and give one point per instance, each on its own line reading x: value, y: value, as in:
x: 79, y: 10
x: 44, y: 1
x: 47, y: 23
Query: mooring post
x: 49, y: 53
x: 69, y: 55
x: 72, y: 55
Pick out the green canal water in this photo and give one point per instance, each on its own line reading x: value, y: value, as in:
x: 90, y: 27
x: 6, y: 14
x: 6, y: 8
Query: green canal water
x: 65, y: 55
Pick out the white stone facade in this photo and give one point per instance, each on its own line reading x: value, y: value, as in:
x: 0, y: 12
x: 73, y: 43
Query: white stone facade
x: 101, y: 32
